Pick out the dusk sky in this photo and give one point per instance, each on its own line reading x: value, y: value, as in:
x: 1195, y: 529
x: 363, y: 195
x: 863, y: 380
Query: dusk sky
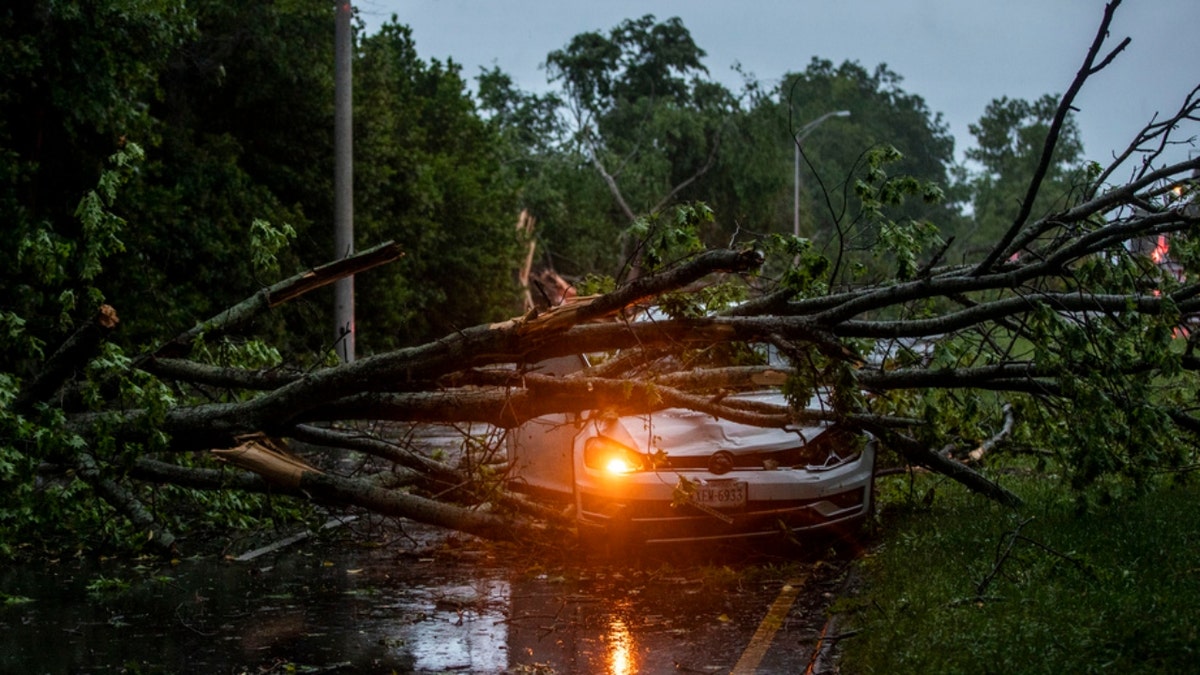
x: 956, y: 54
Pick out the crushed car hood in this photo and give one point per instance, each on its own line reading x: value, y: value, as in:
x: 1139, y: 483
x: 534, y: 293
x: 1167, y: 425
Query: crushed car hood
x: 687, y: 433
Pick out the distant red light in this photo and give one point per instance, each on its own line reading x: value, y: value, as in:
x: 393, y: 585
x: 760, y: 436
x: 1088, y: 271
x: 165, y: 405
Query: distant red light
x: 1159, y: 254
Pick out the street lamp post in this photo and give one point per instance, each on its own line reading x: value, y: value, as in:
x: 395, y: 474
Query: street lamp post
x: 800, y: 136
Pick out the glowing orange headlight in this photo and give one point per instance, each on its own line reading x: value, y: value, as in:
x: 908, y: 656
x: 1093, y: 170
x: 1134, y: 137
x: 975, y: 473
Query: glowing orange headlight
x: 605, y: 454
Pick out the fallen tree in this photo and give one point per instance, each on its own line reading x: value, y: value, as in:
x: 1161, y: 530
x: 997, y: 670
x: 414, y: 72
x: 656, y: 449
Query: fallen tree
x: 1070, y: 337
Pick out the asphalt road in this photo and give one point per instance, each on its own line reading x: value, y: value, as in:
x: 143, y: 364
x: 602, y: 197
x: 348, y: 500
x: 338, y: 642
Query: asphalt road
x: 677, y: 619
x: 415, y: 600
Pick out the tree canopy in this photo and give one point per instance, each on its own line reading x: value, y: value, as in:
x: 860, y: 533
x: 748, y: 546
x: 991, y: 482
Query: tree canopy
x: 428, y: 177
x: 1010, y: 138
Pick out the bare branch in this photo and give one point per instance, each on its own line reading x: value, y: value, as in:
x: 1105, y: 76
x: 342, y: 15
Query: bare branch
x: 991, y: 442
x: 613, y: 188
x: 922, y: 456
x: 380, y: 448
x: 361, y: 493
x: 1060, y: 115
x: 708, y: 164
x: 217, y: 376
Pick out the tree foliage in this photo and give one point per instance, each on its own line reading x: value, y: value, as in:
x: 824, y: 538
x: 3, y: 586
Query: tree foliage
x: 431, y: 181
x: 881, y: 113
x: 634, y: 125
x: 69, y: 98
x: 232, y: 106
x: 165, y: 160
x: 638, y: 124
x: 1010, y: 138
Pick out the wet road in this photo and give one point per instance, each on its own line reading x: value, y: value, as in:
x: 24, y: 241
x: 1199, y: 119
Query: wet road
x: 425, y: 604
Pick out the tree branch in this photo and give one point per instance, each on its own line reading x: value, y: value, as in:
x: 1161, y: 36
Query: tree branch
x: 1153, y: 130
x: 217, y: 376
x: 279, y: 293
x: 377, y: 447
x: 1060, y: 115
x: 708, y: 164
x: 124, y: 501
x: 613, y: 188
x: 69, y: 358
x: 356, y: 492
x: 922, y: 456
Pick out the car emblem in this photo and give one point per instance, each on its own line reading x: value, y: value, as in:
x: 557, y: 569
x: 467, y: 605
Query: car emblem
x: 721, y: 462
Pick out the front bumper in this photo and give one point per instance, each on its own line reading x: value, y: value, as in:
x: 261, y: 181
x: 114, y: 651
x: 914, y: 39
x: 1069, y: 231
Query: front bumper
x: 637, y: 508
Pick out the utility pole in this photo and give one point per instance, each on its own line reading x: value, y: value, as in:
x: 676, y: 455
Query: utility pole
x: 343, y: 179
x: 800, y: 136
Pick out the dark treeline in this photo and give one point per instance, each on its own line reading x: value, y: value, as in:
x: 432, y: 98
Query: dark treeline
x: 232, y: 105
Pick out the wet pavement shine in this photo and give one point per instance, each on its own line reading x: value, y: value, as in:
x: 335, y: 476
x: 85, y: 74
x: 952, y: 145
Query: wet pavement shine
x: 440, y: 604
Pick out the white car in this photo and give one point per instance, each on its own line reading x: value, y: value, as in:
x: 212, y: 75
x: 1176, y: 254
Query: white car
x: 683, y: 476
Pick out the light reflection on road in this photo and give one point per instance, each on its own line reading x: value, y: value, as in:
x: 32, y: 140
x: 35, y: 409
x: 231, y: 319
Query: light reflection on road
x: 621, y: 652
x: 465, y: 632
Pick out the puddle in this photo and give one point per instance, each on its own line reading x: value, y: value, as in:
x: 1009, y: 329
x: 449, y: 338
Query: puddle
x: 351, y: 610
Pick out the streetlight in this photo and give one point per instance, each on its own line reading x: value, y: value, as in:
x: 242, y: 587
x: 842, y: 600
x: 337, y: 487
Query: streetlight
x: 800, y: 136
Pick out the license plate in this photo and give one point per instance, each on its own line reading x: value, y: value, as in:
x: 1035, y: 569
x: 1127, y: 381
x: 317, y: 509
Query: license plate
x: 729, y: 495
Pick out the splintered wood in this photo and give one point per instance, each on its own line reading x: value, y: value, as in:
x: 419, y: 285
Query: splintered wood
x: 268, y: 458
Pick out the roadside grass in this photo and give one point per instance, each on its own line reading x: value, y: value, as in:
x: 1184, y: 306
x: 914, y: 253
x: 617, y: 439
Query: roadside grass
x: 962, y: 585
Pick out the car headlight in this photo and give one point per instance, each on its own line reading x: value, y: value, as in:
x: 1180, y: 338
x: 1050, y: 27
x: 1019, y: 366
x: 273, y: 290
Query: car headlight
x: 605, y: 454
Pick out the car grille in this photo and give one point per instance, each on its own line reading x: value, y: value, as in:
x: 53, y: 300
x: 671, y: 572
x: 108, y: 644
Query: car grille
x: 815, y: 452
x: 660, y: 510
x: 651, y: 523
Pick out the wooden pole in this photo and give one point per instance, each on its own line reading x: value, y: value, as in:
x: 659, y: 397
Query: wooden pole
x: 343, y: 180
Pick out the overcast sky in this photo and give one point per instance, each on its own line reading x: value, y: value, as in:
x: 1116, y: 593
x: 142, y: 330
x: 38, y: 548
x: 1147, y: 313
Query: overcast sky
x: 956, y: 54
